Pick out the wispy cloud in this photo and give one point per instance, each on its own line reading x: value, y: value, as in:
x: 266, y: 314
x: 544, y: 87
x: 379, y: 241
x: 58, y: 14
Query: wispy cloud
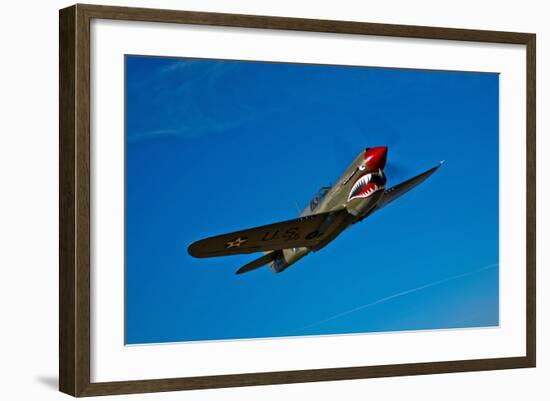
x: 178, y: 64
x: 396, y: 295
x: 184, y: 131
x: 189, y: 90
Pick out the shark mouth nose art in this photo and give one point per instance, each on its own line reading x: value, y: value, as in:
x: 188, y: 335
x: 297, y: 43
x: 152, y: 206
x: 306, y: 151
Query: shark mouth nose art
x: 366, y: 185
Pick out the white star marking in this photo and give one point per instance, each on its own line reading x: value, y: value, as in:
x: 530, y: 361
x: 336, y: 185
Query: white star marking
x: 237, y: 242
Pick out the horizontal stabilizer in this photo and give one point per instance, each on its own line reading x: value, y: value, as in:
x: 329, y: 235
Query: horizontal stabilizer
x: 256, y: 263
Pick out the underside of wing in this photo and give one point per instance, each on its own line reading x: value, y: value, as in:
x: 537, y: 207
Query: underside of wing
x: 307, y: 231
x: 395, y: 192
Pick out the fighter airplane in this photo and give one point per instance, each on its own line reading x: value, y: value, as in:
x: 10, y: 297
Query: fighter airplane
x: 359, y: 193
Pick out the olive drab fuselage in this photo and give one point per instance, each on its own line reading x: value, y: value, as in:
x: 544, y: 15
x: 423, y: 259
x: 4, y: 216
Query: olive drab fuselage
x: 370, y: 161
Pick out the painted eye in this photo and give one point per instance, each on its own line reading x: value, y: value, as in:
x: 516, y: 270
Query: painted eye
x: 362, y: 167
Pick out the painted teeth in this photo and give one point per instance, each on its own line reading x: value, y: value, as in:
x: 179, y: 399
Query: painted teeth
x: 360, y: 184
x: 369, y: 192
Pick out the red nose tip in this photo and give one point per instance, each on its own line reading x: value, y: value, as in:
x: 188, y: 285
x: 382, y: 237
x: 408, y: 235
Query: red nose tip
x: 375, y: 158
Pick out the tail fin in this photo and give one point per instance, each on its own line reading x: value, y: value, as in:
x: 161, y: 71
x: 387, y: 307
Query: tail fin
x: 268, y: 257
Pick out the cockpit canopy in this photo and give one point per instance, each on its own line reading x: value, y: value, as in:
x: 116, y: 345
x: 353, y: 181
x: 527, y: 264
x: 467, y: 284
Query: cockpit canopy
x: 318, y: 197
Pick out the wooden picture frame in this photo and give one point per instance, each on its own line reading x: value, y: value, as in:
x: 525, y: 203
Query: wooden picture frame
x: 74, y: 199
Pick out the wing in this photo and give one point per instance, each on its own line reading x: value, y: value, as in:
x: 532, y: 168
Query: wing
x: 306, y: 231
x: 395, y: 192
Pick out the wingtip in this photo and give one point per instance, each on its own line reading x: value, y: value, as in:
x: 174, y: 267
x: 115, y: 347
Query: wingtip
x: 193, y: 250
x: 441, y: 162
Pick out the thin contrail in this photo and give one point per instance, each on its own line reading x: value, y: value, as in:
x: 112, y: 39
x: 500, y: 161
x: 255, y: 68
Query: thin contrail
x: 399, y: 294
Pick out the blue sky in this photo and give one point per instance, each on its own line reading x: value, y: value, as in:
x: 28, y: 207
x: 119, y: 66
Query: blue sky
x: 215, y: 146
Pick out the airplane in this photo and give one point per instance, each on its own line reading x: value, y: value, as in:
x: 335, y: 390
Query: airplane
x: 359, y: 193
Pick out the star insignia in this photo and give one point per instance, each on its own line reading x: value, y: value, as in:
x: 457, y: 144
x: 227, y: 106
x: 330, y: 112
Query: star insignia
x: 237, y: 242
